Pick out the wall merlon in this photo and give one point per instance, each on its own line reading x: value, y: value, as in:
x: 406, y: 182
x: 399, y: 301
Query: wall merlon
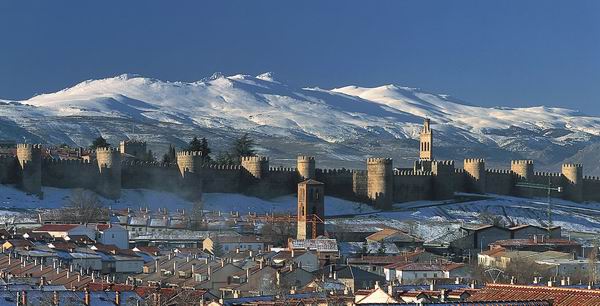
x: 255, y: 158
x: 522, y: 162
x: 189, y: 153
x: 379, y: 160
x: 474, y: 160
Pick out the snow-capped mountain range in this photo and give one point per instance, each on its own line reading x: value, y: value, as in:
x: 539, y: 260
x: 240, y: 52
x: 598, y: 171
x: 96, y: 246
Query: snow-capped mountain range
x: 340, y: 126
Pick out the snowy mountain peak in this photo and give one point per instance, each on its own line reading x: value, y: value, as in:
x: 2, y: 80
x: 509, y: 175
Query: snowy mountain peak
x: 347, y: 117
x: 267, y: 76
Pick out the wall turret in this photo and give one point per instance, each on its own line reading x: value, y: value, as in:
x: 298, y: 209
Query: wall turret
x: 109, y: 166
x: 380, y: 181
x: 30, y: 167
x: 475, y: 170
x: 522, y: 169
x: 306, y: 167
x: 443, y: 179
x: 189, y: 162
x: 572, y: 175
x: 257, y: 166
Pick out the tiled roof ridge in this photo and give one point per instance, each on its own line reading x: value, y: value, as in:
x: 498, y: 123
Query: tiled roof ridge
x: 563, y: 289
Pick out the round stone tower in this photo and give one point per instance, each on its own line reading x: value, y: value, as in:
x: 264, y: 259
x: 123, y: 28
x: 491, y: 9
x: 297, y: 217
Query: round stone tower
x: 573, y: 181
x: 257, y: 166
x: 30, y: 167
x: 475, y: 170
x: 109, y: 166
x: 306, y: 167
x: 189, y: 162
x: 380, y: 181
x: 523, y: 169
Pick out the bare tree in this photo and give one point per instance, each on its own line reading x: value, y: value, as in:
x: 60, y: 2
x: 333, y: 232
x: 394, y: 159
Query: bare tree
x: 592, y: 266
x: 278, y: 232
x: 83, y: 206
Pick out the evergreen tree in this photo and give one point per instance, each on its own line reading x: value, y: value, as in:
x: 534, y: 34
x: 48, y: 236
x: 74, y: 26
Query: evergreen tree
x: 99, y: 143
x: 205, y: 150
x: 224, y: 158
x: 150, y: 156
x: 243, y: 146
x: 195, y: 145
x: 169, y: 157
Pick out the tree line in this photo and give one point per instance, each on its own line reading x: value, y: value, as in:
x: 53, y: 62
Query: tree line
x: 241, y: 147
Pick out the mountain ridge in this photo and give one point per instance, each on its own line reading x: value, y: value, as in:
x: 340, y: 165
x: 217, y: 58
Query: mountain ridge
x: 341, y: 125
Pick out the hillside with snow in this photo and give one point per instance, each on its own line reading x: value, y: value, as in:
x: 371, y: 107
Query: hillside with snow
x: 340, y: 126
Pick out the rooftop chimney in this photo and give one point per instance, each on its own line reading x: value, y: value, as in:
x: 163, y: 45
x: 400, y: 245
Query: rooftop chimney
x: 24, y: 298
x: 86, y: 297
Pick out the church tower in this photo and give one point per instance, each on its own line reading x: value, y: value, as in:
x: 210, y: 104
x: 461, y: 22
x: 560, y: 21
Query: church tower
x: 311, y: 209
x: 426, y: 142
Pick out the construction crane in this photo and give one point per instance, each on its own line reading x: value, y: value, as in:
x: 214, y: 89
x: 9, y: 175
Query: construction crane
x: 549, y: 188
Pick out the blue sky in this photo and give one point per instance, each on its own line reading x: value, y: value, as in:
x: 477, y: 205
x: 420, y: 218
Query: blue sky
x: 509, y: 53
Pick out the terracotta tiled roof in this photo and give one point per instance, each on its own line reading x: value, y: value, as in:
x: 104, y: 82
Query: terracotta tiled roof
x: 493, y: 251
x: 559, y: 296
x: 56, y: 227
x: 521, y: 242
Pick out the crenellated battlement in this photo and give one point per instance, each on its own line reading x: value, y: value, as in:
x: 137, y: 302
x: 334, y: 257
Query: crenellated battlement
x: 498, y: 171
x: 522, y: 162
x: 379, y: 160
x: 256, y: 158
x: 474, y: 160
x: 282, y: 169
x: 188, y: 153
x: 222, y: 167
x: 305, y: 158
x: 412, y: 173
x: 61, y: 161
x: 335, y: 171
x: 572, y: 165
x: 546, y: 174
x: 29, y: 146
x: 443, y: 162
x: 591, y: 178
x: 107, y: 150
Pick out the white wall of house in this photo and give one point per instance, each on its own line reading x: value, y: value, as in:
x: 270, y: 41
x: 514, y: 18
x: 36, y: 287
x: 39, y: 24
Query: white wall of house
x: 115, y: 235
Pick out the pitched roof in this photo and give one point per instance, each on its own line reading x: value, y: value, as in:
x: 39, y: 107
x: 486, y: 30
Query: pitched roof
x: 56, y: 227
x: 559, y: 296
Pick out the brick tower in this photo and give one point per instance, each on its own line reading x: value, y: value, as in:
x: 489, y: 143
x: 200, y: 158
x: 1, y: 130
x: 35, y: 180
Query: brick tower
x: 311, y: 209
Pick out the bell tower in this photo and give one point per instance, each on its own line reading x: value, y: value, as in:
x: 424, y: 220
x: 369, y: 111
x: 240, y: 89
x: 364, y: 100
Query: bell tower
x: 425, y: 148
x: 311, y: 209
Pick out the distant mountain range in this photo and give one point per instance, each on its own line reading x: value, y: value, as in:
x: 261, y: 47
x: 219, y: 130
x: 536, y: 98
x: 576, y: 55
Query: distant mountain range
x: 340, y: 126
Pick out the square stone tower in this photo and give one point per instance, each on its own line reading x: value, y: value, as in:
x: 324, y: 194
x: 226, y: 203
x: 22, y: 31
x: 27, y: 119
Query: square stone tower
x: 425, y: 148
x: 311, y: 209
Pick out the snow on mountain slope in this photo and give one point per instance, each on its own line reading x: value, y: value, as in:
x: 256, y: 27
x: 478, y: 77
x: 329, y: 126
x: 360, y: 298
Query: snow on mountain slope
x: 348, y: 122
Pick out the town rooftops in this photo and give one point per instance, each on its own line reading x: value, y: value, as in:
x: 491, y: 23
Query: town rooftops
x: 421, y: 266
x: 541, y: 241
x: 392, y: 235
x: 56, y: 227
x: 558, y: 295
x: 319, y: 244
